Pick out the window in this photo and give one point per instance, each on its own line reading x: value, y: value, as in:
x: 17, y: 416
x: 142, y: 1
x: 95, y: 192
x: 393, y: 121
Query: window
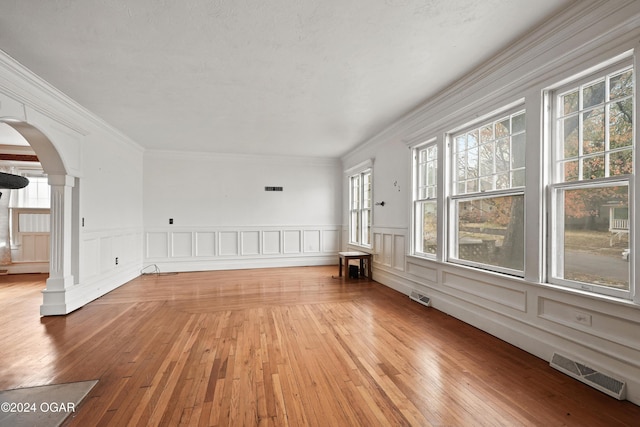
x: 487, y: 202
x: 425, y: 205
x: 29, y: 220
x: 593, y: 148
x: 360, y: 209
x: 35, y: 195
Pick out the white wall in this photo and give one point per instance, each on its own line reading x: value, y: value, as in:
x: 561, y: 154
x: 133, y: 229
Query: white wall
x: 223, y: 217
x: 538, y: 318
x: 98, y: 176
x: 111, y: 200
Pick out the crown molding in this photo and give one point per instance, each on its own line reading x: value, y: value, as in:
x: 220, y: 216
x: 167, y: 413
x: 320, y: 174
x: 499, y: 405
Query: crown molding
x: 582, y: 26
x: 254, y: 158
x: 24, y: 86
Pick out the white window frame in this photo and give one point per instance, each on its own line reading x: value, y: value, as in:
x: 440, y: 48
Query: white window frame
x: 558, y: 185
x: 361, y: 208
x: 425, y: 191
x: 456, y: 197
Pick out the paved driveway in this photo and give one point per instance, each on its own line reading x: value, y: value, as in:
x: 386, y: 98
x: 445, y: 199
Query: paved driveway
x: 590, y: 264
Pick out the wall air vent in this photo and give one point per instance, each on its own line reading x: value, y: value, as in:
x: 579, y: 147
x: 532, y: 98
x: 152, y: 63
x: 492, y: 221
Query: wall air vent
x: 272, y: 188
x: 598, y: 380
x: 420, y: 298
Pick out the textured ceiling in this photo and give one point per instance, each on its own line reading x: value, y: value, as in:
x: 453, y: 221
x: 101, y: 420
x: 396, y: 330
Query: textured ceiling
x: 279, y: 77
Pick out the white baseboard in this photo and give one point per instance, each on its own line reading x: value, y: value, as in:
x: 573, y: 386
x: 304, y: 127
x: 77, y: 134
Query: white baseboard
x: 241, y: 264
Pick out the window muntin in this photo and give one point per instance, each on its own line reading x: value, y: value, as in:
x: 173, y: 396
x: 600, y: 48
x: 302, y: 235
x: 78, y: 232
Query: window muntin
x: 595, y: 128
x: 487, y: 203
x: 593, y: 148
x: 360, y: 208
x: 425, y: 204
x: 490, y: 157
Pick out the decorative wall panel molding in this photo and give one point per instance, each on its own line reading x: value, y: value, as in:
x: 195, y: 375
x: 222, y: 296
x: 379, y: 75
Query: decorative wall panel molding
x: 612, y: 328
x: 181, y: 244
x: 157, y: 245
x: 205, y: 244
x: 271, y: 244
x: 311, y: 241
x: 493, y: 291
x: 229, y: 243
x: 389, y: 248
x: 398, y: 252
x: 422, y: 272
x: 331, y: 241
x: 250, y: 242
x: 196, y: 248
x: 292, y: 241
x: 108, y: 252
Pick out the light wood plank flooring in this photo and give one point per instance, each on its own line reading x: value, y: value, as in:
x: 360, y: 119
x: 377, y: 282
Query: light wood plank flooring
x: 290, y: 346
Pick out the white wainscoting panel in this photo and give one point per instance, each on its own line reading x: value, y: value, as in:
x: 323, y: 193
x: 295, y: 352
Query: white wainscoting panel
x: 398, y: 252
x: 250, y: 242
x: 377, y: 248
x: 210, y: 248
x: 606, y: 326
x: 271, y: 244
x: 101, y: 248
x: 106, y: 254
x: 157, y: 245
x: 387, y: 249
x: 494, y: 291
x: 229, y: 243
x: 422, y: 272
x: 35, y: 247
x: 131, y: 250
x: 292, y: 241
x: 312, y: 241
x: 181, y: 244
x: 91, y: 251
x: 330, y: 240
x: 205, y: 243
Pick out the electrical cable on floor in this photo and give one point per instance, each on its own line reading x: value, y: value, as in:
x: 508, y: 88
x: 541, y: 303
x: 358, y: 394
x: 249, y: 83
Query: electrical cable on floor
x: 156, y: 271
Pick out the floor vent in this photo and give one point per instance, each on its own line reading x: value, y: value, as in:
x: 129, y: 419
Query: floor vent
x: 603, y: 382
x: 422, y: 299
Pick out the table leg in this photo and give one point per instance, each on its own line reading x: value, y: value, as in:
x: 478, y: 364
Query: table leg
x: 340, y: 266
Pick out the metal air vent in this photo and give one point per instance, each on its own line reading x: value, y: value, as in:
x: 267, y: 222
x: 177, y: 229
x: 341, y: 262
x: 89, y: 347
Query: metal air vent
x: 420, y: 298
x: 598, y: 380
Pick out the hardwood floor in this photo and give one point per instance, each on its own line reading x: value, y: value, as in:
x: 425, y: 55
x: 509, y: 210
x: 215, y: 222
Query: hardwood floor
x: 289, y: 346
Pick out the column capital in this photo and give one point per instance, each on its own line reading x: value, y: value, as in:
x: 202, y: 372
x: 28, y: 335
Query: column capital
x: 62, y: 180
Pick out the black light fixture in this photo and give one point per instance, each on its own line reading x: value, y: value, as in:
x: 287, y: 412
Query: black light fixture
x: 12, y: 182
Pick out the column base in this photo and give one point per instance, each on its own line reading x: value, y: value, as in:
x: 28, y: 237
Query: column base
x: 59, y: 283
x: 53, y: 303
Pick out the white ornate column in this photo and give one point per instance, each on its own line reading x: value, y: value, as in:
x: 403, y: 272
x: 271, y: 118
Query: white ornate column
x: 60, y: 273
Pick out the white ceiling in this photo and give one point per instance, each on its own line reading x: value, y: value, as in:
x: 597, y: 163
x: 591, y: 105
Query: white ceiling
x: 278, y: 77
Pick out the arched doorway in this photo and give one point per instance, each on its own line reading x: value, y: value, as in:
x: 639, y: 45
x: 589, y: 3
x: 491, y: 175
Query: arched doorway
x: 63, y: 259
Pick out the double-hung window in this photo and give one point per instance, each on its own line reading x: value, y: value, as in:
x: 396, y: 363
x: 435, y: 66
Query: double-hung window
x: 592, y: 145
x: 425, y: 204
x: 487, y: 194
x: 360, y: 209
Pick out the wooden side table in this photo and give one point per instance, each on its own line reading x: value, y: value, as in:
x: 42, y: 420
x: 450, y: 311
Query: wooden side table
x: 362, y: 256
